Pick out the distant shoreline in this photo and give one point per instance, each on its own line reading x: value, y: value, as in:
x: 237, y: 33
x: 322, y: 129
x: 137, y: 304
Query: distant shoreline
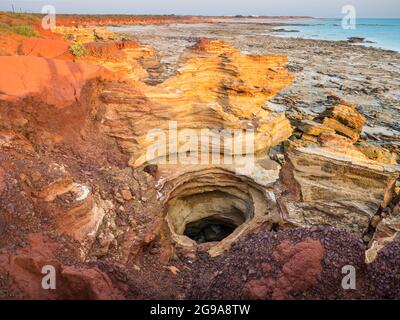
x: 107, y: 15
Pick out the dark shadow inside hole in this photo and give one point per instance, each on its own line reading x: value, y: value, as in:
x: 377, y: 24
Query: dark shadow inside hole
x: 209, y: 229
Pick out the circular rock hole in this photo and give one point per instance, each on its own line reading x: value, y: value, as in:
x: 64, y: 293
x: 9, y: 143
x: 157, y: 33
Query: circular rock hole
x: 213, y: 206
x: 208, y: 217
x: 210, y: 229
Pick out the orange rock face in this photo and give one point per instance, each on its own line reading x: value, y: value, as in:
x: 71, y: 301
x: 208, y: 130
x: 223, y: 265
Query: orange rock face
x: 215, y: 72
x: 109, y: 50
x: 56, y: 82
x: 128, y: 59
x: 344, y: 119
x: 217, y: 88
x: 45, y: 48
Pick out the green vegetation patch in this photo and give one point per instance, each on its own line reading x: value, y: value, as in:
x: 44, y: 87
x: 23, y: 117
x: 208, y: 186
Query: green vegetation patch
x: 24, y: 30
x: 21, y: 24
x: 78, y: 50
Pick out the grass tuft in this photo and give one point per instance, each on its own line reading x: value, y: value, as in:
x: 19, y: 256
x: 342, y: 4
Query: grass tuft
x: 78, y: 50
x: 24, y: 30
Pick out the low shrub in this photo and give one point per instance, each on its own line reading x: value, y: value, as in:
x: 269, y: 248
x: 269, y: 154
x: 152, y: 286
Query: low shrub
x: 24, y: 30
x: 78, y: 50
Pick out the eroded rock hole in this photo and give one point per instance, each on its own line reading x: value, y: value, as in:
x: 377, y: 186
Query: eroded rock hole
x: 210, y: 216
x: 213, y: 228
x: 215, y: 206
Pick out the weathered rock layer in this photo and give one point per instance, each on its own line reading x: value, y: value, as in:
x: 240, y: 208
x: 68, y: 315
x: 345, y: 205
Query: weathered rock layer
x: 217, y: 88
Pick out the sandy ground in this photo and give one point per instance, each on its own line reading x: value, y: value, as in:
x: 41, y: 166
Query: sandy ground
x: 324, y: 70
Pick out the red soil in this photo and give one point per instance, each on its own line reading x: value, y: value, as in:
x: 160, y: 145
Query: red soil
x: 25, y: 268
x: 301, y: 266
x: 46, y: 48
x: 56, y: 82
x: 110, y: 50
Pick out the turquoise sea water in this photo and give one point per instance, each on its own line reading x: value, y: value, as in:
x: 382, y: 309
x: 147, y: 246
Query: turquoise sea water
x: 385, y: 33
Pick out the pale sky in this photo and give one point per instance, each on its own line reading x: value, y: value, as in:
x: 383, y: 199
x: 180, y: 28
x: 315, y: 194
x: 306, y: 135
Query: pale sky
x: 315, y: 8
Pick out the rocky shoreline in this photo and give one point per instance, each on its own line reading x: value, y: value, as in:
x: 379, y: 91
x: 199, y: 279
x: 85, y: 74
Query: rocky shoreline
x: 361, y: 75
x: 79, y: 192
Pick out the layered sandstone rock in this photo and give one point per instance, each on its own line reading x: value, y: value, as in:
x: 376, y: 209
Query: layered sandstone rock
x: 345, y: 120
x: 217, y: 88
x: 77, y: 211
x: 82, y: 35
x: 386, y: 228
x: 336, y: 190
x: 83, y: 212
x: 128, y: 59
x: 219, y: 194
x: 217, y: 93
x: 331, y: 181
